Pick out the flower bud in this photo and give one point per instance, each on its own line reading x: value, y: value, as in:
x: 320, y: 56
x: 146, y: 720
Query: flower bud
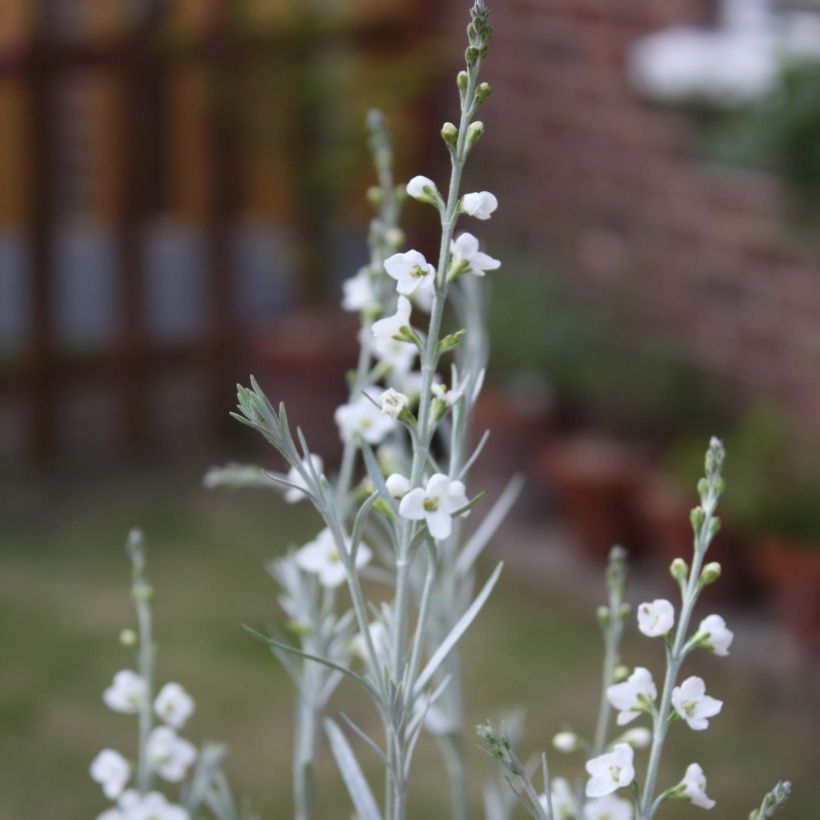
x: 566, y: 742
x: 697, y: 517
x: 472, y: 55
x: 482, y: 92
x: 374, y: 195
x: 474, y: 133
x: 621, y: 673
x: 449, y: 133
x: 679, y: 570
x: 714, y: 526
x: 395, y: 237
x: 710, y: 573
x: 128, y: 638
x: 703, y: 488
x: 623, y: 611
x: 603, y: 615
x: 463, y: 80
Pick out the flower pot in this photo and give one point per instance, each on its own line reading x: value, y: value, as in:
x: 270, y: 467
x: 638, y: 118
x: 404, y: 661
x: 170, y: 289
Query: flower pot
x: 594, y: 481
x: 790, y: 572
x: 301, y: 361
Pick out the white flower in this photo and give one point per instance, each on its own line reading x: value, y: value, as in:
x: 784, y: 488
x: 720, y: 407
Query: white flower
x: 321, y: 557
x: 363, y: 418
x: 608, y: 808
x: 693, y: 704
x: 391, y: 326
x: 656, y: 618
x: 416, y: 189
x: 639, y: 738
x: 357, y: 292
x: 411, y: 271
x: 713, y: 634
x: 398, y: 356
x: 397, y: 485
x: 126, y: 692
x: 380, y: 639
x: 292, y: 495
x: 435, y: 505
x: 393, y: 403
x: 169, y: 754
x: 611, y: 771
x: 694, y: 787
x: 481, y: 205
x: 467, y: 258
x: 632, y: 696
x: 564, y: 806
x: 565, y: 741
x: 152, y: 806
x: 112, y: 771
x: 174, y: 705
x: 447, y: 395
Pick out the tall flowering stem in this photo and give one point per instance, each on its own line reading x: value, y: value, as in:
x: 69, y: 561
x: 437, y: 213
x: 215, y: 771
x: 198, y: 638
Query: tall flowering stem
x: 691, y: 580
x: 612, y: 619
x: 142, y: 592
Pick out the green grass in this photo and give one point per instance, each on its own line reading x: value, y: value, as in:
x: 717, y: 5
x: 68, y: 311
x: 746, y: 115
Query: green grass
x: 64, y: 598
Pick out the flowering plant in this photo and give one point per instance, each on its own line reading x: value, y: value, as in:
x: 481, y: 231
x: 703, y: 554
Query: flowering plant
x: 394, y: 516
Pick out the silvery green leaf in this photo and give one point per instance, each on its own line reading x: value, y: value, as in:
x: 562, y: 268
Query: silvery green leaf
x: 237, y: 476
x: 456, y: 632
x: 351, y: 772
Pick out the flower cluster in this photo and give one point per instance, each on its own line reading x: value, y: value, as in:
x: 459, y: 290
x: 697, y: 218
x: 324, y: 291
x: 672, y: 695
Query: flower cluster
x: 163, y: 754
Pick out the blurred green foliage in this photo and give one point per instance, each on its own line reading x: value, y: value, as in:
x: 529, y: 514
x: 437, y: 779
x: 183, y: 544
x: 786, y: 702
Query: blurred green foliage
x: 781, y: 133
x: 605, y: 372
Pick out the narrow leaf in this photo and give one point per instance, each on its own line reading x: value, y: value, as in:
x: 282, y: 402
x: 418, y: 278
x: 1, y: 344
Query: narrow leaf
x: 351, y: 772
x: 456, y: 632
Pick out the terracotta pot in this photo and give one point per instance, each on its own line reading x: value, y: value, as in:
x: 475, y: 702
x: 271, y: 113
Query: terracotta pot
x: 790, y: 571
x: 594, y: 481
x: 302, y: 360
x: 666, y: 533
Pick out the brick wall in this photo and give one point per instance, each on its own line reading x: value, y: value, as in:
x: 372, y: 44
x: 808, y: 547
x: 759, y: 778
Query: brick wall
x: 612, y: 187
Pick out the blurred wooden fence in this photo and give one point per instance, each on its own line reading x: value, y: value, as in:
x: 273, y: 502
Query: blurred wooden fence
x: 135, y: 62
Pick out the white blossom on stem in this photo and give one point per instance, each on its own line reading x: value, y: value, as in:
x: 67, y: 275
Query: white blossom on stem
x: 639, y: 738
x: 656, y: 618
x: 112, y: 771
x: 292, y: 494
x: 694, y: 787
x: 423, y: 189
x: 174, y: 705
x: 713, y: 634
x: 411, y: 271
x: 608, y: 808
x: 693, y: 704
x: 398, y: 356
x: 393, y: 403
x: 467, y: 258
x: 566, y: 742
x: 391, y: 326
x: 480, y: 205
x: 151, y: 806
x: 435, y: 505
x: 170, y: 755
x: 634, y: 696
x: 610, y: 771
x: 126, y: 693
x: 321, y: 558
x: 362, y: 418
x: 357, y: 292
x: 398, y: 485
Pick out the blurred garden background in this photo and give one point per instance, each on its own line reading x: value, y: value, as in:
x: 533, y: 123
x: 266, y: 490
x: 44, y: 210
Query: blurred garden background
x: 182, y: 195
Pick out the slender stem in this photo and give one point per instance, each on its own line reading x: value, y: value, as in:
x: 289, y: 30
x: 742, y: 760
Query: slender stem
x: 304, y: 750
x: 142, y: 592
x: 675, y: 655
